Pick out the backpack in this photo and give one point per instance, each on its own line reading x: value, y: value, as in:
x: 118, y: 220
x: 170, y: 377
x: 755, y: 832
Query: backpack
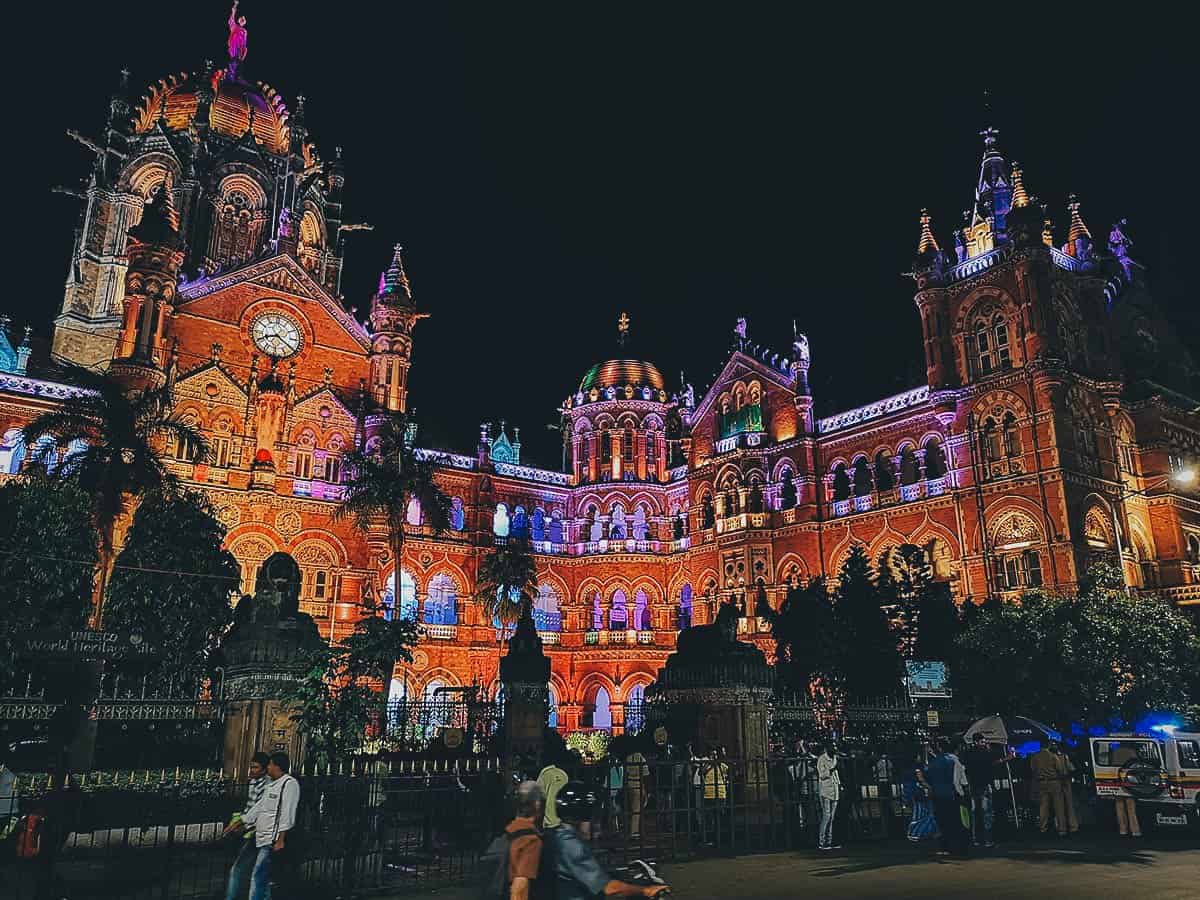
x: 494, y: 865
x: 29, y: 836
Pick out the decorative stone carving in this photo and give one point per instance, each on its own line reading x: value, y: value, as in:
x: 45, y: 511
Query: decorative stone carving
x: 288, y: 523
x: 1015, y: 528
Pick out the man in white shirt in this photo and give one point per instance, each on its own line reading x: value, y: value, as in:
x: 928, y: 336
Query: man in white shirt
x: 272, y: 817
x: 829, y: 789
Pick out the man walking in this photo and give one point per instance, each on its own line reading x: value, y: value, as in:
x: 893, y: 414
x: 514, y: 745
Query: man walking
x: 255, y: 787
x: 948, y: 783
x: 525, y: 840
x: 1066, y: 770
x: 273, y: 818
x: 829, y: 789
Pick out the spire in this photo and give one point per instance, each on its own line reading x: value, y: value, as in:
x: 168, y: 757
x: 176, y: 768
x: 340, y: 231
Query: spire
x: 991, y: 191
x: 160, y: 222
x: 622, y: 329
x: 928, y: 241
x: 394, y: 280
x: 1077, y: 228
x: 1020, y: 198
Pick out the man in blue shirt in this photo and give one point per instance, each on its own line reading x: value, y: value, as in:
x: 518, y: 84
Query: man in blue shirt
x: 948, y: 784
x: 576, y: 873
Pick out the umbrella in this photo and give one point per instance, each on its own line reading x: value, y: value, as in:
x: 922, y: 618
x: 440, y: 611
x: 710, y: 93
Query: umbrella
x: 1011, y: 731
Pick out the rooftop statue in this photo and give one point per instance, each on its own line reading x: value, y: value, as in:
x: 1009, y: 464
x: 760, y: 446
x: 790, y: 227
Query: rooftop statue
x: 237, y: 41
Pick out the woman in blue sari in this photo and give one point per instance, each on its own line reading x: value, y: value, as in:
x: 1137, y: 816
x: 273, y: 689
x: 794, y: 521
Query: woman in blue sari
x: 923, y: 826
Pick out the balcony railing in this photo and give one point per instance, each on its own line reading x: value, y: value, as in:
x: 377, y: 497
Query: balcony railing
x: 441, y: 632
x: 906, y: 493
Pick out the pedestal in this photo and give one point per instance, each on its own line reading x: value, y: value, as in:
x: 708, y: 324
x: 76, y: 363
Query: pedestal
x: 525, y: 674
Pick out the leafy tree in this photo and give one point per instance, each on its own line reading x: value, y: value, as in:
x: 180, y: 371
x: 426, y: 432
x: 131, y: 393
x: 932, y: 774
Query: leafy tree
x: 119, y: 436
x: 173, y: 581
x: 937, y: 625
x: 47, y: 555
x: 505, y: 582
x: 336, y: 701
x: 383, y: 479
x: 870, y: 661
x: 904, y: 579
x: 1090, y: 659
x: 805, y: 637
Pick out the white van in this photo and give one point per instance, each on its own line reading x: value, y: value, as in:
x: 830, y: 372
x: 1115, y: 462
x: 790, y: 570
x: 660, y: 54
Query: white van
x: 1159, y: 770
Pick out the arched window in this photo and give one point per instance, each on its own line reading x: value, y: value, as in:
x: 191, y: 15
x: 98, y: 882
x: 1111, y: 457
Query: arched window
x: 641, y: 611
x: 678, y: 526
x: 407, y: 607
x: 556, y: 527
x: 601, y: 710
x: 732, y: 502
x: 500, y: 521
x: 1012, y: 437
x: 754, y: 502
x: 990, y: 440
x: 618, y: 613
x: 1193, y: 549
x: 458, y: 518
x: 12, y: 452
x: 651, y: 455
x: 885, y: 476
x: 595, y: 528
x: 910, y: 471
x: 841, y: 482
x: 413, y: 515
x: 627, y: 446
x: 538, y: 526
x: 787, y: 491
x: 546, y: 615
x: 685, y: 607
x: 605, y: 447
x: 991, y: 345
x: 635, y: 709
x: 641, y: 529
x: 935, y: 461
x: 616, y: 528
x: 597, y: 613
x: 862, y: 478
x: 708, y: 516
x: 520, y: 522
x: 441, y: 603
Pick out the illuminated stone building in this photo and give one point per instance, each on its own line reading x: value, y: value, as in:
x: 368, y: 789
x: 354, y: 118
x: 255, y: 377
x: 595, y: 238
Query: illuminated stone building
x: 208, y: 258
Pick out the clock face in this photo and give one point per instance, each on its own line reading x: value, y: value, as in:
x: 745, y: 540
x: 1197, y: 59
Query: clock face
x: 276, y: 335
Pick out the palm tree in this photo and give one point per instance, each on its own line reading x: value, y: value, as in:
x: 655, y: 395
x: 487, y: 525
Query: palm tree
x: 384, y: 478
x: 506, y: 582
x: 120, y: 435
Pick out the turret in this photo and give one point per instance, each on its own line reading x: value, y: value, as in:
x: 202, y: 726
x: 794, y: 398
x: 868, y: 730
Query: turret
x: 155, y: 254
x: 803, y: 398
x: 393, y: 315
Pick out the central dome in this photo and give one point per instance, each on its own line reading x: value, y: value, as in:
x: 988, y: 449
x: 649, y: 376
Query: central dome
x: 233, y: 99
x: 620, y: 372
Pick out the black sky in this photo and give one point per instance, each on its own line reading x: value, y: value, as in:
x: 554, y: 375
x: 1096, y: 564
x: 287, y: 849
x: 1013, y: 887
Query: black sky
x: 549, y: 166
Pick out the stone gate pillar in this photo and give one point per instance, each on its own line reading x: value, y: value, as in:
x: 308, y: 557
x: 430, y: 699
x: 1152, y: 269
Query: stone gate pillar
x: 525, y: 674
x: 265, y: 654
x: 714, y: 691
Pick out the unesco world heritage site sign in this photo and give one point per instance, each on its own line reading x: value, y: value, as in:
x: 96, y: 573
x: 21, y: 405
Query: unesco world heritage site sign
x: 80, y: 644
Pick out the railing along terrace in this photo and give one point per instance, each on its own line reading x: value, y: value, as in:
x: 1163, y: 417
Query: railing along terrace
x: 906, y: 493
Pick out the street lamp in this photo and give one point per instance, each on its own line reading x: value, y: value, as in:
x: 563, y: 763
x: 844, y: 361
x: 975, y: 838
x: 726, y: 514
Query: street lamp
x: 1182, y: 478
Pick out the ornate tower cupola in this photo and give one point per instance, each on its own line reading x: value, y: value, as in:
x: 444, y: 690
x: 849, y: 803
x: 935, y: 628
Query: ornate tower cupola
x: 930, y: 265
x: 393, y: 315
x: 987, y: 228
x: 1079, y: 239
x: 155, y: 254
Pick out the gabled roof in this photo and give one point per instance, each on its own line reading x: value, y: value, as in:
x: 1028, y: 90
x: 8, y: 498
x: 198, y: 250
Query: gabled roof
x: 775, y: 376
x: 278, y: 273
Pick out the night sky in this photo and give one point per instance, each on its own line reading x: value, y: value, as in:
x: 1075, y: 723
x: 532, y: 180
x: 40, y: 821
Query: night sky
x: 547, y: 168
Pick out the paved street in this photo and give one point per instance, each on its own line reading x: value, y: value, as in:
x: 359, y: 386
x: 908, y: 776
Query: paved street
x: 1162, y: 870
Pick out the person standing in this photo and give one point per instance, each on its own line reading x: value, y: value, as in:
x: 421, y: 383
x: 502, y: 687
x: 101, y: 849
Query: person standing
x: 635, y: 790
x: 1127, y: 817
x: 1066, y: 771
x: 1046, y: 771
x: 922, y: 826
x: 255, y: 787
x: 697, y: 765
x: 948, y: 785
x: 980, y: 762
x: 273, y: 817
x: 829, y: 789
x: 525, y: 839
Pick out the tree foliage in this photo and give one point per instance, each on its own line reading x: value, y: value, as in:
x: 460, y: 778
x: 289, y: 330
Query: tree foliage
x: 870, y: 662
x: 507, y: 579
x: 115, y: 438
x: 47, y: 558
x: 806, y: 647
x: 173, y: 580
x: 1092, y: 659
x: 337, y: 702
